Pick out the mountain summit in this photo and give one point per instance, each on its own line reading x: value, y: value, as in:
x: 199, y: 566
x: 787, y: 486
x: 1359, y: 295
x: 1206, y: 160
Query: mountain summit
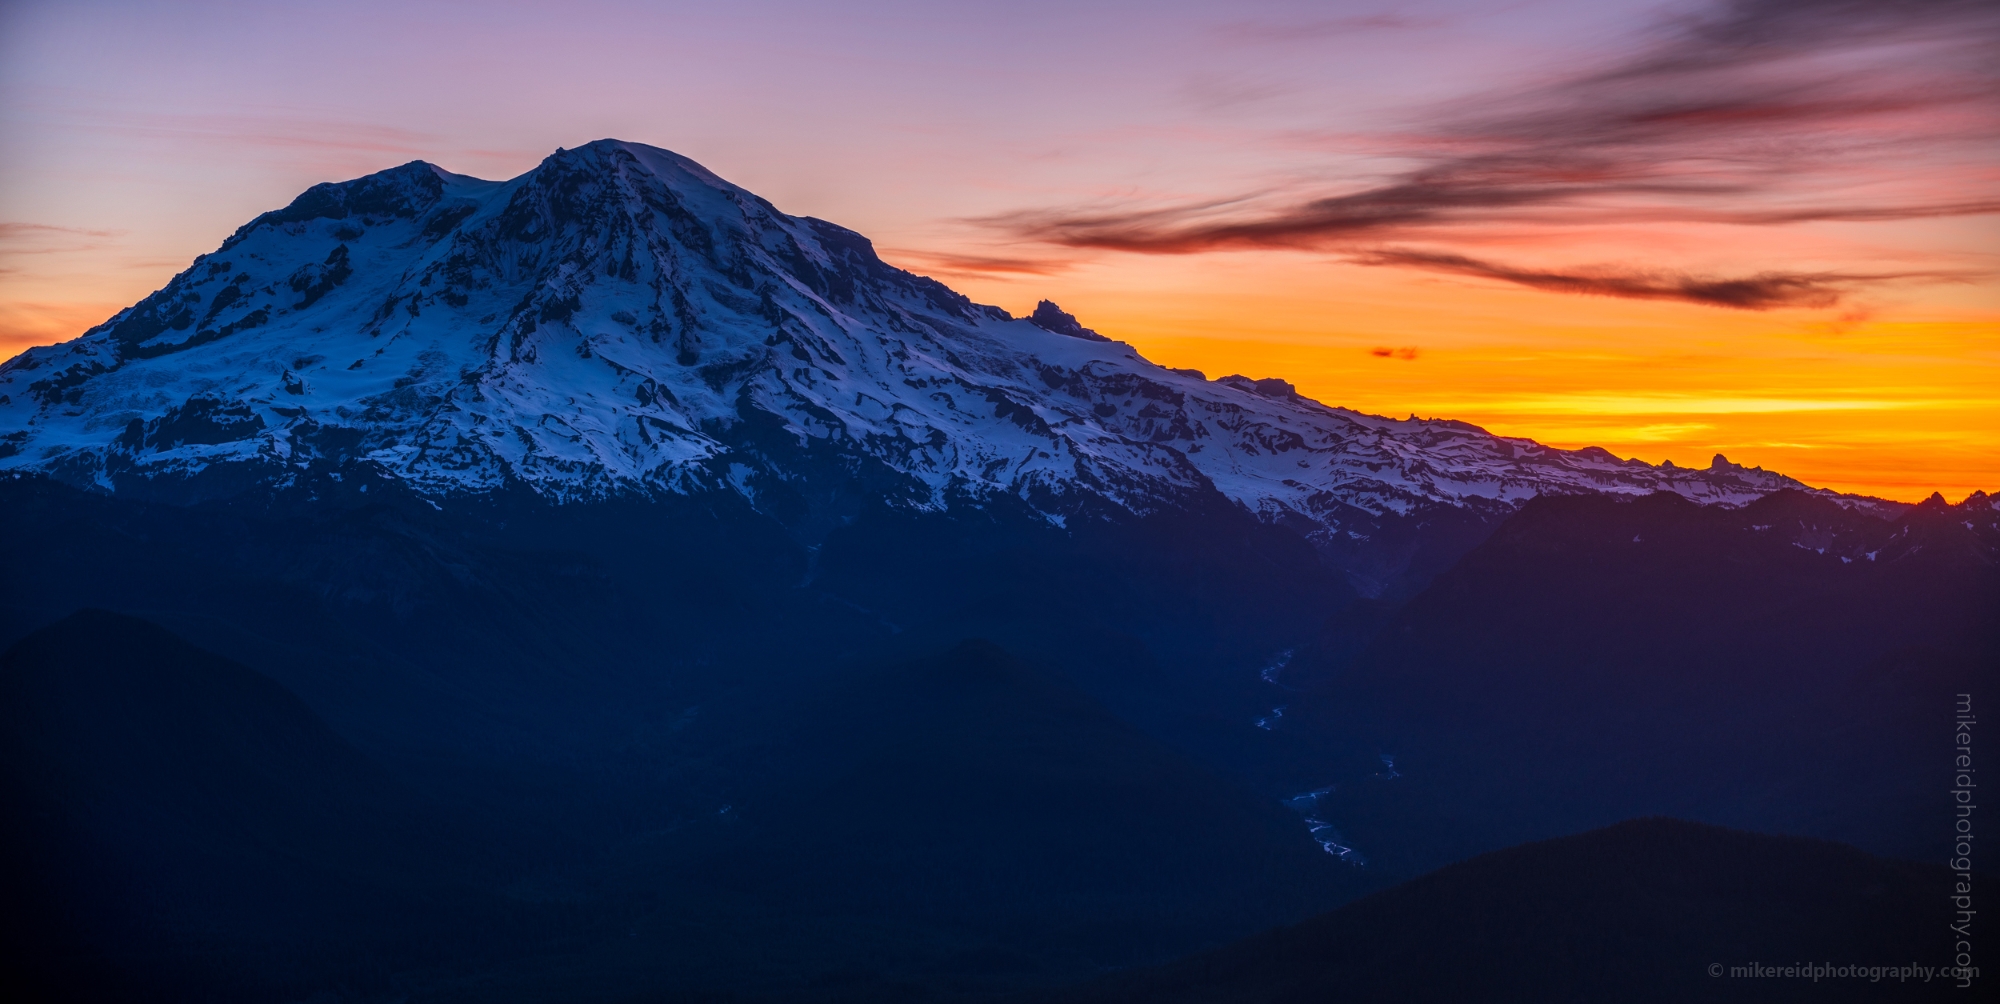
x: 621, y: 320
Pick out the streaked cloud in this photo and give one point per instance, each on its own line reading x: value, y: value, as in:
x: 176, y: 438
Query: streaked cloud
x: 275, y: 128
x: 1594, y: 433
x: 944, y: 263
x: 1760, y: 291
x: 1754, y: 113
x: 44, y: 238
x: 1633, y: 403
x: 1317, y: 28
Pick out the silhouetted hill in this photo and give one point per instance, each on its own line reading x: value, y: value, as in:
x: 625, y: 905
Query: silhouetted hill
x: 1633, y: 913
x: 961, y: 823
x: 178, y: 825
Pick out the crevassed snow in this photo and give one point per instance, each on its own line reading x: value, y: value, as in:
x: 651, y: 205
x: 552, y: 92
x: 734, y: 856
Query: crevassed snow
x: 620, y: 319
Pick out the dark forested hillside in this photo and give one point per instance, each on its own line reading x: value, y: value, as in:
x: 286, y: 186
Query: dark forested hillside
x: 610, y: 723
x: 1647, y: 910
x: 177, y: 825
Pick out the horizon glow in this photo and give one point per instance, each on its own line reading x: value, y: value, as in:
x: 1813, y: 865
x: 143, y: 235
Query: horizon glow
x: 1521, y: 216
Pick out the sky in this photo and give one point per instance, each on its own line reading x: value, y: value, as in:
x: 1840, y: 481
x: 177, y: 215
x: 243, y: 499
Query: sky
x: 1765, y: 228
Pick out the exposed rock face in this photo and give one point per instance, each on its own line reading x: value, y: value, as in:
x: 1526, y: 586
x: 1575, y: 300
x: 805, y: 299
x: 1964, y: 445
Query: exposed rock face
x: 620, y: 320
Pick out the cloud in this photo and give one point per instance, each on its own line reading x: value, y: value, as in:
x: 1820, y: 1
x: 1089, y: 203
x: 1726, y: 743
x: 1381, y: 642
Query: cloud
x: 274, y: 129
x: 44, y: 238
x: 300, y: 135
x: 948, y: 264
x: 1650, y: 403
x: 1755, y: 113
x: 1211, y: 92
x: 1762, y: 291
x: 16, y: 231
x: 1295, y: 31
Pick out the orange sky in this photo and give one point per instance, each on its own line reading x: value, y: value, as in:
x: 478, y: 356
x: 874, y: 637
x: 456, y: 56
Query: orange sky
x: 1204, y: 181
x: 1897, y: 405
x: 1898, y: 402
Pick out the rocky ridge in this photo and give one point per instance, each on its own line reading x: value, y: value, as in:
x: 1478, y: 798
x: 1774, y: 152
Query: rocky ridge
x: 621, y: 320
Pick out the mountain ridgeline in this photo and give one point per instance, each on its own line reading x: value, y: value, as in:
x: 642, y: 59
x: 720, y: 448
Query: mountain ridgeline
x: 602, y: 586
x: 620, y: 321
x: 1625, y: 913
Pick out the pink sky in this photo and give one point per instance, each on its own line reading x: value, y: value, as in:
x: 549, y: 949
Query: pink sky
x: 1564, y: 208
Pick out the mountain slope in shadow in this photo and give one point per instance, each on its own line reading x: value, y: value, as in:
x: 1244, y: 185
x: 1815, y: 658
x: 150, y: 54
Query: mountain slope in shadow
x: 1636, y: 912
x: 178, y: 825
x: 1786, y: 667
x: 943, y: 828
x: 946, y: 827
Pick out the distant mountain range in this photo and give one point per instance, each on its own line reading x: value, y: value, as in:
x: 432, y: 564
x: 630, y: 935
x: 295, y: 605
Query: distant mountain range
x: 600, y: 586
x: 621, y: 320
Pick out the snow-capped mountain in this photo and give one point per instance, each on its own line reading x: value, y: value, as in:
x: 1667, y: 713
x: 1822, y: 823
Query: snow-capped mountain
x: 620, y: 320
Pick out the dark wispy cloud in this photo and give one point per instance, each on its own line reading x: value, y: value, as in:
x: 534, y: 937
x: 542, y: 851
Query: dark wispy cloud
x: 948, y: 264
x: 45, y: 238
x: 1755, y: 112
x: 1761, y: 291
x: 1299, y: 31
x: 15, y: 231
x: 279, y: 130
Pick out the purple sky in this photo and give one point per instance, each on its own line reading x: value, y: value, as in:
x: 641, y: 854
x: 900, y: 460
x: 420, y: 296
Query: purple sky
x: 1571, y: 189
x: 171, y: 123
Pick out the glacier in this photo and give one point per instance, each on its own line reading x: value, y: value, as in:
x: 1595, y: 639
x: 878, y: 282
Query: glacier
x: 621, y: 320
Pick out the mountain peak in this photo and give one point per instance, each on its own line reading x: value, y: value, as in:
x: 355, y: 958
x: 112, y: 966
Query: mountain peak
x: 1271, y: 387
x: 399, y: 192
x: 610, y: 157
x: 620, y: 319
x: 1049, y: 317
